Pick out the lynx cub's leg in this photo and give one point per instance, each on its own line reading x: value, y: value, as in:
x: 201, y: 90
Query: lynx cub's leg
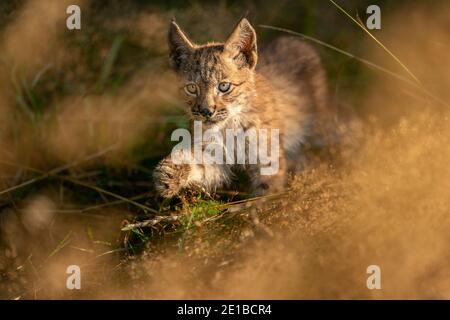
x: 268, y: 184
x: 171, y: 178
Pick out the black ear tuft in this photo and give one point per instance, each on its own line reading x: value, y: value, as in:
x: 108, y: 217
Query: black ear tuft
x: 180, y: 47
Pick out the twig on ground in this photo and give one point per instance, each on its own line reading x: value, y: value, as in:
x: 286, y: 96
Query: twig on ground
x: 151, y: 222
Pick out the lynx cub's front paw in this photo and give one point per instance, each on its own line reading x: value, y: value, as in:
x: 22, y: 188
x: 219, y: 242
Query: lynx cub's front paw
x: 170, y: 178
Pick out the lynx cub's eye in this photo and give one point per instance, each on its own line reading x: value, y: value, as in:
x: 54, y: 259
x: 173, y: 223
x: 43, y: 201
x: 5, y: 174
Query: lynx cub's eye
x: 224, y: 87
x: 191, y: 89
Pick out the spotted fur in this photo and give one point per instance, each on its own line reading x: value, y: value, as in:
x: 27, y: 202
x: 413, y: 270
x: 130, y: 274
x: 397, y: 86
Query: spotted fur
x: 286, y: 92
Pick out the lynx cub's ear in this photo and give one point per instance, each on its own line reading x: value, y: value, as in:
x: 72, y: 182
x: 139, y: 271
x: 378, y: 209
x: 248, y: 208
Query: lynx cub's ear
x: 180, y: 47
x: 241, y: 44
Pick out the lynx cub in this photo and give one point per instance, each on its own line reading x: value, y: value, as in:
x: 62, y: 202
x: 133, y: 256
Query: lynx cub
x: 224, y: 88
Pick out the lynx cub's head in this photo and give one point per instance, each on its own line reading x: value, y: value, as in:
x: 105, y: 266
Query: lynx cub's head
x: 217, y: 78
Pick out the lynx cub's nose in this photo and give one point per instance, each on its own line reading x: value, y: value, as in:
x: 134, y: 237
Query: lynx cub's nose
x: 207, y: 111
